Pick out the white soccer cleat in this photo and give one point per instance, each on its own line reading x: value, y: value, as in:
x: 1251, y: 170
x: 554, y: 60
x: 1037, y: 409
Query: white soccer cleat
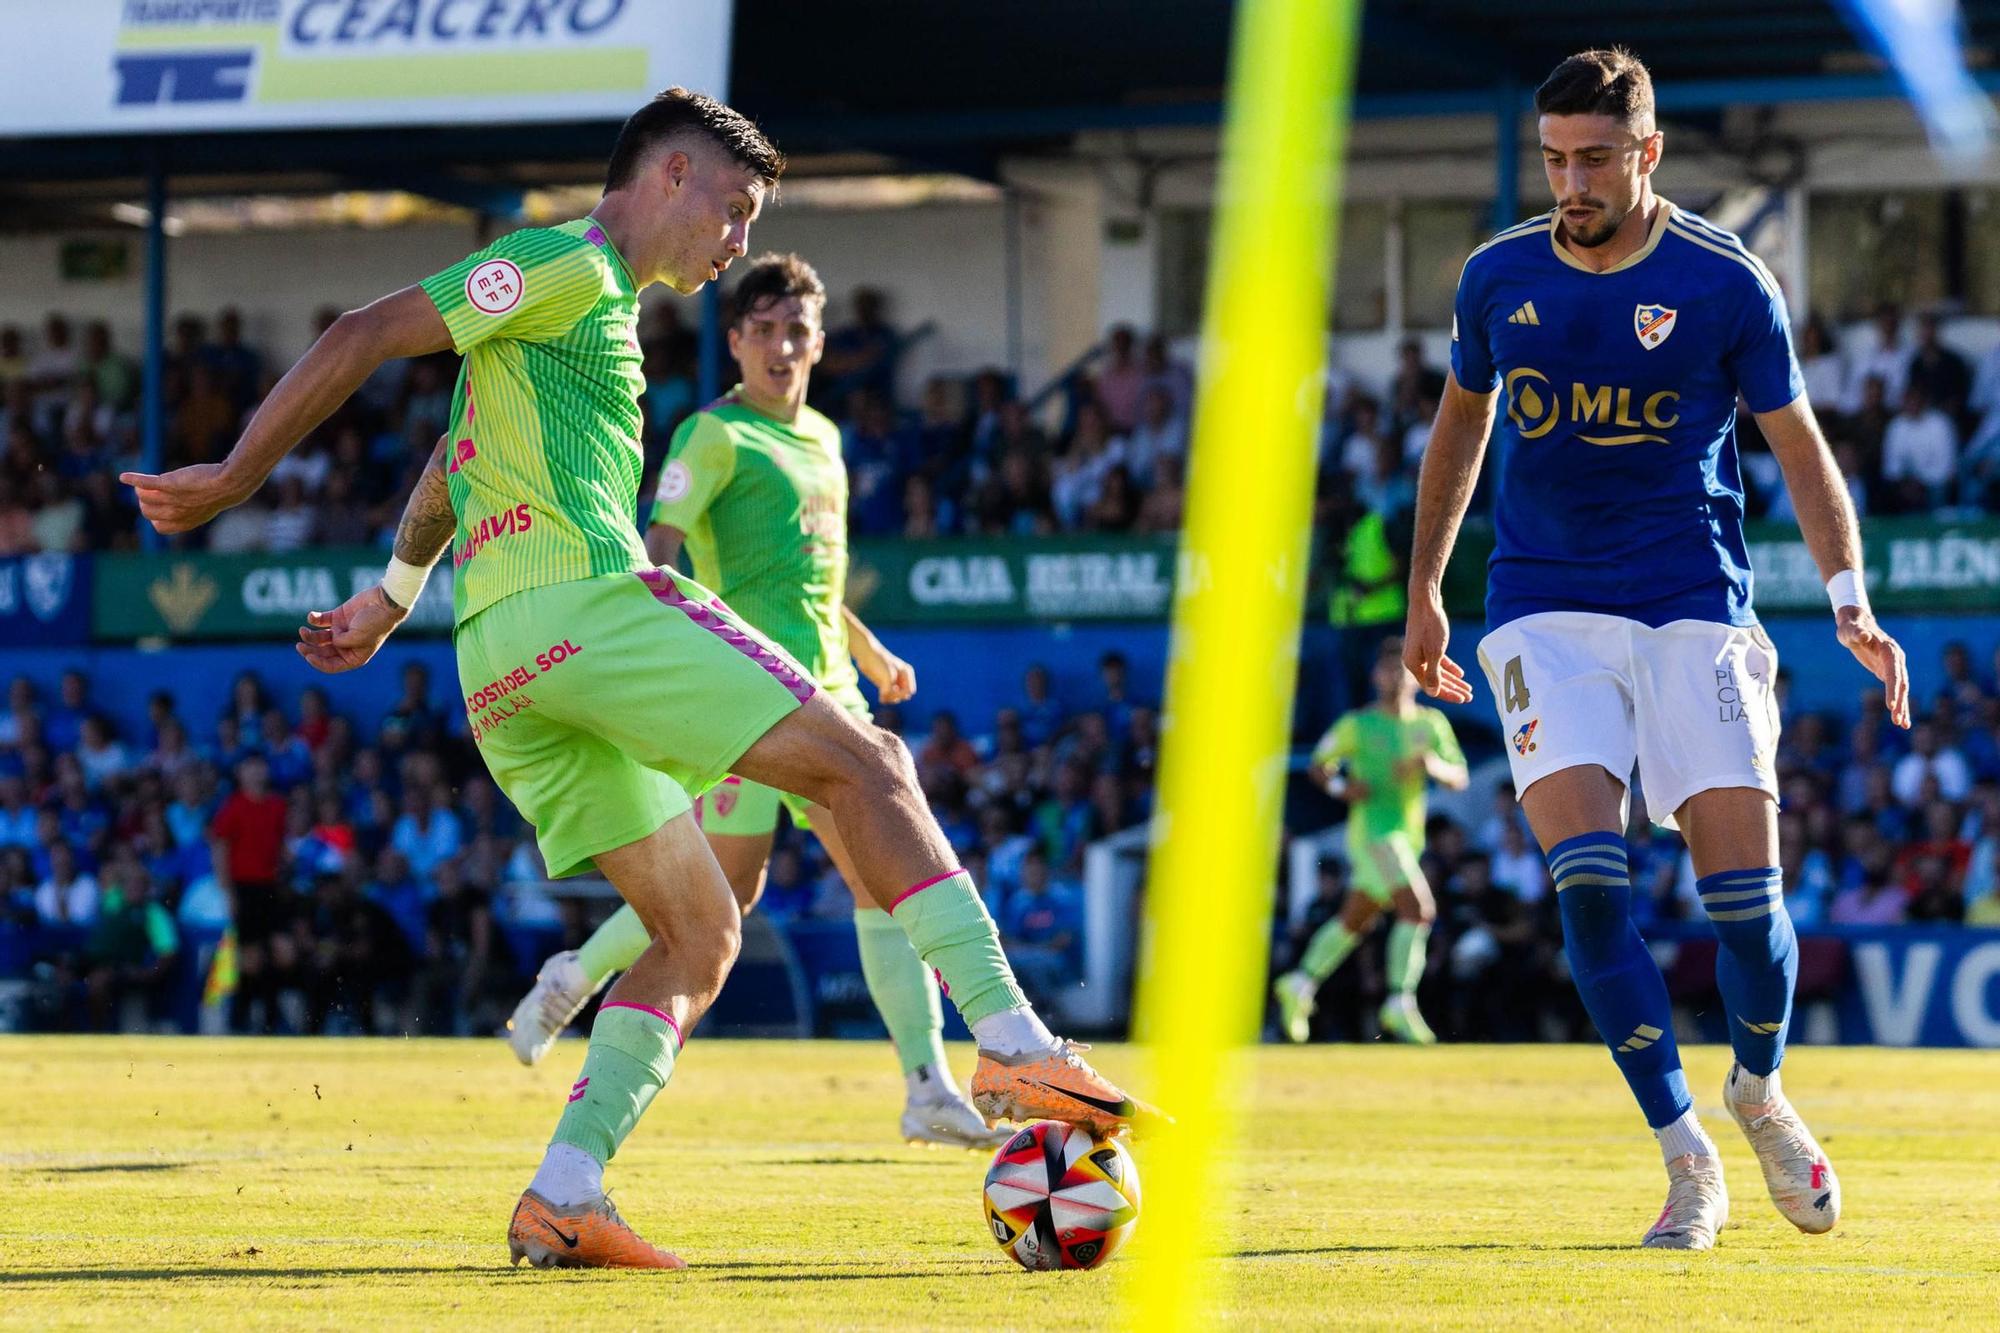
x: 1796, y: 1171
x: 1697, y: 1206
x: 950, y: 1122
x: 560, y: 991
x: 1296, y: 995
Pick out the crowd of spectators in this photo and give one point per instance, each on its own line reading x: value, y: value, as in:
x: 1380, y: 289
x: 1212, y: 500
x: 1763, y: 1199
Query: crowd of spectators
x: 373, y: 875
x: 356, y: 866
x: 372, y: 872
x: 1877, y: 827
x: 1915, y: 425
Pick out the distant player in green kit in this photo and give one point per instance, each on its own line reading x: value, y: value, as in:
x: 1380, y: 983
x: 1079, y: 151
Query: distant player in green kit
x: 1378, y: 760
x: 755, y: 487
x: 604, y: 693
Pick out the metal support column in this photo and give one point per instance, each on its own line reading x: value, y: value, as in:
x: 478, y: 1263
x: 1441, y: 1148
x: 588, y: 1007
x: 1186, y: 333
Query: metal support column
x: 708, y: 377
x: 153, y: 418
x: 1011, y: 238
x: 1507, y: 105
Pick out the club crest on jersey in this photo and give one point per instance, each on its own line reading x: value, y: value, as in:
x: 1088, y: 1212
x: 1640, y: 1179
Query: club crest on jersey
x: 1653, y: 324
x: 1524, y: 739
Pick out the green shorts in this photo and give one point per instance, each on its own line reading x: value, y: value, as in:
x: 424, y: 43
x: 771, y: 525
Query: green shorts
x: 745, y: 809
x: 1379, y: 864
x: 603, y: 705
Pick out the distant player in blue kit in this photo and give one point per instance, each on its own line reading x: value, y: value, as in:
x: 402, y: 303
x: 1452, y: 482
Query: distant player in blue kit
x: 1618, y: 332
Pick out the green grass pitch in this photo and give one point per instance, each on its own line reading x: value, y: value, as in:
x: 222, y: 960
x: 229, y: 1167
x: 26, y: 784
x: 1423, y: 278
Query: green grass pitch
x: 164, y: 1183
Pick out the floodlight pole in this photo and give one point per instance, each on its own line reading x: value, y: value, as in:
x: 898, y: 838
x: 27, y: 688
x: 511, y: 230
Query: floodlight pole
x: 1507, y: 153
x: 1011, y: 236
x: 153, y: 424
x: 708, y: 375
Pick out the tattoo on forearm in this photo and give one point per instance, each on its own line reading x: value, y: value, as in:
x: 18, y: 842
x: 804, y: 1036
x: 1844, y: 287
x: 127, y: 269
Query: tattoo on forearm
x: 427, y: 523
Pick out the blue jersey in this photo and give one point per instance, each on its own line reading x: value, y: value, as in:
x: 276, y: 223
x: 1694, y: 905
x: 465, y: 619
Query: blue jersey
x: 1619, y: 487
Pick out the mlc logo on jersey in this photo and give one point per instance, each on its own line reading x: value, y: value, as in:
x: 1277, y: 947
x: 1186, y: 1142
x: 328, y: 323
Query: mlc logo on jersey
x: 1535, y: 406
x: 1653, y: 324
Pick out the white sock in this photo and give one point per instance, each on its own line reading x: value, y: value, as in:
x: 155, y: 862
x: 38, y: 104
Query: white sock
x: 1749, y: 1089
x: 1015, y: 1032
x: 568, y: 1175
x: 1685, y: 1136
x: 930, y: 1083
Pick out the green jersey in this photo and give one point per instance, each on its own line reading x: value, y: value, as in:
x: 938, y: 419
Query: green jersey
x: 1373, y: 743
x: 764, y: 505
x: 543, y: 457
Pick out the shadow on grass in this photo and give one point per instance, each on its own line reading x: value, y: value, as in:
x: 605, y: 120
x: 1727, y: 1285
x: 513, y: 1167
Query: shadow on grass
x: 99, y: 1168
x: 1526, y: 1247
x: 726, y: 1271
x: 860, y: 1161
x: 766, y: 1270
x: 249, y: 1269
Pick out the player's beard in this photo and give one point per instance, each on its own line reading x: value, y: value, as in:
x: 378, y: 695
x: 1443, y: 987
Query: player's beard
x: 1604, y: 229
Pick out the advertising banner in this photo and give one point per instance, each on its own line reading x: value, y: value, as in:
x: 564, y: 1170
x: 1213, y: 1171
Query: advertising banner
x: 1922, y: 986
x: 980, y: 579
x: 44, y: 599
x: 189, y: 597
x: 1914, y: 566
x: 158, y: 66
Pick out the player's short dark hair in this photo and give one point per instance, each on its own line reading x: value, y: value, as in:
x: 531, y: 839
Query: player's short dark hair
x: 773, y: 277
x: 1391, y: 650
x: 678, y: 111
x: 1605, y: 82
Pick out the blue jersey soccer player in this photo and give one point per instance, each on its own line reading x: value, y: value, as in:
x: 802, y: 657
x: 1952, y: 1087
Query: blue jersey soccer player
x: 1622, y: 331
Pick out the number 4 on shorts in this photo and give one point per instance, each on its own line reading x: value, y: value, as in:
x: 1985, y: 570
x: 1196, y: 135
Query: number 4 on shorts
x: 1513, y: 686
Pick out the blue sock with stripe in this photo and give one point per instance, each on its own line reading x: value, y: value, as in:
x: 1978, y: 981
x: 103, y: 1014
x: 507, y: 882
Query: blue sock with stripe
x: 1758, y: 963
x: 1619, y: 982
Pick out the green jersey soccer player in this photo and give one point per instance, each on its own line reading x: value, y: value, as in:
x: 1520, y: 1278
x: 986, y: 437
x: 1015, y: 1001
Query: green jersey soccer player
x: 1379, y: 759
x: 605, y: 694
x: 755, y: 486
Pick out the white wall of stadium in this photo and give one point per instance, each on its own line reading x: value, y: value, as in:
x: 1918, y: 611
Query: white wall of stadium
x: 941, y: 265
x: 1114, y: 231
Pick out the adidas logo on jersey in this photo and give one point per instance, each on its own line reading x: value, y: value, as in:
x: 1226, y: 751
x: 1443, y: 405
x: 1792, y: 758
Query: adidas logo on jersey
x: 1525, y: 315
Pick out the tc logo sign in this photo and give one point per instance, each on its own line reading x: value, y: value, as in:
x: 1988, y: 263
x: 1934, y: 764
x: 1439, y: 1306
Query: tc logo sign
x: 151, y: 78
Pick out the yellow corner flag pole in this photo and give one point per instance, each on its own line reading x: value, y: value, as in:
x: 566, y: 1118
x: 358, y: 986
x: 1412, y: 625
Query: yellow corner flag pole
x: 1236, y: 626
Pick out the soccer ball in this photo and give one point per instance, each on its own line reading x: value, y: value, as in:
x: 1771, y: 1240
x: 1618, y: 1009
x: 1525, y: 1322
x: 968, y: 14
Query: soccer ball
x: 1058, y: 1198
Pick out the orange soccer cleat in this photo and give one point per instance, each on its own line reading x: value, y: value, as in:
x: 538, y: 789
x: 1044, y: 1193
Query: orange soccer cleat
x: 1061, y: 1086
x: 583, y: 1235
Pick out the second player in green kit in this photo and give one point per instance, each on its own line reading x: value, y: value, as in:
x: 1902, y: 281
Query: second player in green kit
x: 755, y: 489
x: 1379, y: 759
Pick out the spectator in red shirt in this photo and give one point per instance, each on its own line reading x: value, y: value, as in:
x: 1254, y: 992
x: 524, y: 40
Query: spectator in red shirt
x: 315, y: 718
x: 249, y: 839
x: 946, y: 748
x: 1941, y: 844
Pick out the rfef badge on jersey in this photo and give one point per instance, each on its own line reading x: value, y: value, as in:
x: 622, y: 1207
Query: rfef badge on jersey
x: 1652, y: 323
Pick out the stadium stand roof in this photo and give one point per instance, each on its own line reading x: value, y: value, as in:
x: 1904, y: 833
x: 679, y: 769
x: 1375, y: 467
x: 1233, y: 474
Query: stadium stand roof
x: 954, y: 87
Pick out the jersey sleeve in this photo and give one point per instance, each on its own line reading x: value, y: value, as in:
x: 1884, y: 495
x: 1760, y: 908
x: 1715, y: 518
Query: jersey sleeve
x: 700, y: 461
x: 531, y: 286
x: 1444, y: 741
x: 1761, y: 360
x: 1336, y: 745
x: 1471, y: 354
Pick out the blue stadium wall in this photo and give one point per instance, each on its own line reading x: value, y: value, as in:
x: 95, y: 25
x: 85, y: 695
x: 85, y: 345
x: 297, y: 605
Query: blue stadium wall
x: 972, y: 670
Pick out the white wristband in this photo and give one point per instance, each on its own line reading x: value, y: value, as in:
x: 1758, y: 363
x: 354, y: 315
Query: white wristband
x: 403, y: 583
x: 1846, y: 589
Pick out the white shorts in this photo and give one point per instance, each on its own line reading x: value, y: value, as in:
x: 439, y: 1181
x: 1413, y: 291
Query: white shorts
x: 1692, y: 702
